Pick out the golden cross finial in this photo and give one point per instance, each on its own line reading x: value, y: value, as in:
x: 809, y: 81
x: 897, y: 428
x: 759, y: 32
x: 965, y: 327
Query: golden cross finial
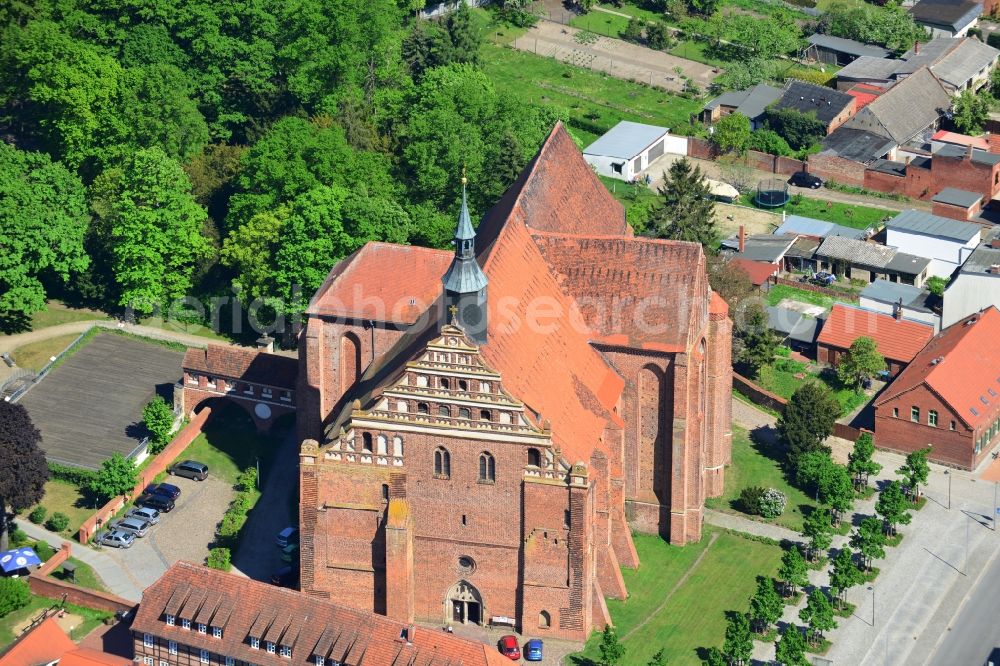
x: 453, y: 309
x: 464, y: 179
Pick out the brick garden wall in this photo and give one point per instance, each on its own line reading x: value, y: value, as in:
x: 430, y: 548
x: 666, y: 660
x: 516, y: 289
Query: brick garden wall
x: 701, y: 149
x: 180, y: 442
x: 757, y: 394
x: 829, y: 167
x: 41, y: 585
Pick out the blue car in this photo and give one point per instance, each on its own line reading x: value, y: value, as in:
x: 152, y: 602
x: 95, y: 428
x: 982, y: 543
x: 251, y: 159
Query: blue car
x: 533, y: 650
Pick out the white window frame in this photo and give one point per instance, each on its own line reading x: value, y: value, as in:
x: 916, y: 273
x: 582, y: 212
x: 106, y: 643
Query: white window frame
x: 148, y: 661
x: 147, y: 641
x: 265, y: 392
x: 269, y: 646
x: 185, y: 624
x: 172, y: 647
x: 171, y: 620
x: 254, y: 643
x: 164, y: 663
x: 202, y: 629
x: 285, y: 651
x: 320, y: 660
x: 216, y: 632
x: 230, y: 661
x: 205, y: 657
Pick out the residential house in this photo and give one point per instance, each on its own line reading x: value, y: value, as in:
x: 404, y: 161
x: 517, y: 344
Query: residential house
x: 977, y: 283
x: 947, y: 18
x: 46, y: 644
x: 795, y: 329
x: 801, y: 256
x: 194, y: 614
x: 957, y: 204
x: 868, y: 70
x: 858, y: 260
x: 628, y: 148
x: 896, y: 299
x: 750, y: 102
x: 839, y: 51
x: 831, y: 107
x: 766, y: 248
x: 946, y: 242
x: 948, y: 397
x: 968, y: 169
x: 898, y: 340
x: 759, y: 272
x: 943, y: 138
x: 864, y: 93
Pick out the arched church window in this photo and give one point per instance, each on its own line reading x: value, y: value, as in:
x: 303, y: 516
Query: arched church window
x: 366, y: 442
x: 383, y: 445
x: 487, y: 468
x: 421, y: 380
x: 544, y: 620
x: 422, y: 408
x: 397, y: 446
x: 463, y: 385
x: 464, y: 413
x: 444, y: 411
x: 385, y: 492
x: 505, y: 418
x: 534, y: 457
x: 442, y: 463
x: 445, y: 384
x: 484, y: 387
x: 484, y: 415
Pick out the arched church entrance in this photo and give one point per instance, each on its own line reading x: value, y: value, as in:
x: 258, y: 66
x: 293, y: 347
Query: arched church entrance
x: 464, y: 604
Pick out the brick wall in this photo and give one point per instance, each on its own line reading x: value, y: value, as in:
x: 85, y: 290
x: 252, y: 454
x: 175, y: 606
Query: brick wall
x: 760, y: 161
x: 44, y: 586
x: 176, y: 446
x: 964, y: 174
x: 831, y: 167
x: 956, y: 212
x: 788, y: 165
x: 757, y: 394
x: 701, y: 149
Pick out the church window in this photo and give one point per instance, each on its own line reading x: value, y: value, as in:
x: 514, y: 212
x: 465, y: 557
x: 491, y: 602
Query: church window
x: 421, y: 380
x: 534, y: 457
x: 566, y: 518
x: 505, y: 418
x: 463, y: 385
x: 397, y: 446
x: 484, y: 387
x: 422, y: 408
x: 383, y: 445
x: 487, y: 468
x: 484, y: 415
x: 366, y: 442
x: 442, y: 463
x: 544, y: 620
x: 385, y: 492
x: 466, y: 564
x: 464, y: 413
x: 443, y: 410
x: 445, y: 384
x: 464, y: 523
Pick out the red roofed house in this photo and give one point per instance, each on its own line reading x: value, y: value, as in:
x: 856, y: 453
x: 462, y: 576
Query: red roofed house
x: 948, y: 397
x: 196, y: 615
x: 485, y: 427
x: 44, y: 644
x: 759, y: 272
x: 897, y: 339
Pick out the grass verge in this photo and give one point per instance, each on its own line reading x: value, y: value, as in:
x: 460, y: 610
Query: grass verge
x: 91, y: 619
x: 36, y: 355
x: 780, y: 292
x: 56, y: 313
x: 230, y: 444
x: 69, y: 499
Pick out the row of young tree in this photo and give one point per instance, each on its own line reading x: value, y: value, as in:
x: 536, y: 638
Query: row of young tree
x: 159, y: 149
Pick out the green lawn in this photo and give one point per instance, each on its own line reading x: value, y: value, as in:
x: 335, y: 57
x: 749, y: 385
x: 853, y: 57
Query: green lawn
x: 91, y: 619
x: 56, y: 313
x: 85, y: 576
x: 780, y: 378
x: 36, y: 355
x: 760, y: 464
x: 698, y: 51
x: 69, y: 499
x: 592, y: 102
x: 609, y: 25
x: 693, y: 618
x: 231, y: 444
x: 780, y: 292
x: 849, y: 215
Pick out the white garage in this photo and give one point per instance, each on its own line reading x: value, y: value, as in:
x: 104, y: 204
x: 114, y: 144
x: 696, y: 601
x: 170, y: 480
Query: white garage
x: 628, y: 148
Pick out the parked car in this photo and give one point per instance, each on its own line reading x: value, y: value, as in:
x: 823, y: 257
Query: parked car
x: 168, y: 490
x: 151, y: 516
x: 806, y: 179
x: 161, y: 503
x: 287, y: 536
x: 191, y: 469
x: 286, y: 576
x: 116, y: 538
x: 824, y: 278
x: 290, y: 553
x: 136, y: 526
x: 533, y: 650
x: 509, y: 648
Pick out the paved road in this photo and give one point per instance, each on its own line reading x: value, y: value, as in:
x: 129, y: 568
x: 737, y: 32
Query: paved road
x: 974, y: 633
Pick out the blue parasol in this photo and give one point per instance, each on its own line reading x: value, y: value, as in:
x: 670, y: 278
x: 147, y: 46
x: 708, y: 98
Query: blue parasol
x: 19, y: 558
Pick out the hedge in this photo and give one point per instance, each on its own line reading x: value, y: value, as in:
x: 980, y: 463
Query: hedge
x: 74, y: 475
x: 236, y: 515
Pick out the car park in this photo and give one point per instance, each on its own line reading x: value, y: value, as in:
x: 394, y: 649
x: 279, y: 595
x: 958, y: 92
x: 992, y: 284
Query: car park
x: 509, y: 648
x: 287, y: 536
x: 150, y: 515
x: 533, y: 650
x: 191, y: 469
x: 286, y: 576
x: 806, y: 179
x: 153, y: 501
x: 135, y: 526
x: 116, y: 538
x: 167, y: 490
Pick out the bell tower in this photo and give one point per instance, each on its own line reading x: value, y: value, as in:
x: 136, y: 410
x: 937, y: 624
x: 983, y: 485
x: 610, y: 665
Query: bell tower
x: 464, y: 282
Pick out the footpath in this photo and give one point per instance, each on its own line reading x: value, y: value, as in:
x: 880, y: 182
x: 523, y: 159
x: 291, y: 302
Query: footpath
x: 924, y: 582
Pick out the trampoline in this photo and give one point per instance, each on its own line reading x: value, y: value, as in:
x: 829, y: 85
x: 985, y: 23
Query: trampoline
x: 771, y: 193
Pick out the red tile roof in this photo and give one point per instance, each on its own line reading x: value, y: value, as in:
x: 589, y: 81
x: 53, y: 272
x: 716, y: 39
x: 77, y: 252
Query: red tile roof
x: 961, y: 139
x: 757, y: 271
x: 88, y: 657
x: 636, y: 292
x: 896, y: 339
x: 42, y: 645
x: 383, y: 282
x: 966, y: 374
x: 865, y: 94
x: 309, y: 625
x: 246, y: 364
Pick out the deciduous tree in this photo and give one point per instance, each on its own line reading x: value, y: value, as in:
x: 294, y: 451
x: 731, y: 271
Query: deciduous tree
x: 766, y: 605
x: 23, y: 470
x: 844, y: 574
x: 860, y: 463
x: 754, y: 343
x: 818, y: 528
x: 738, y: 645
x: 159, y: 420
x: 915, y: 471
x: 612, y: 651
x: 793, y: 571
x: 818, y: 614
x: 731, y: 133
x: 800, y: 130
x: 861, y: 363
x: 869, y: 540
x: 971, y: 110
x: 117, y: 476
x: 685, y: 211
x: 893, y: 506
x: 791, y: 648
x: 808, y: 419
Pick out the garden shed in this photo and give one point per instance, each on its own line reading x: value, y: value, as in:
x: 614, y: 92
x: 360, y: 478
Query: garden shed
x: 628, y: 148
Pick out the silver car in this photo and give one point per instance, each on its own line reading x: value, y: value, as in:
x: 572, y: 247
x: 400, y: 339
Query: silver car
x: 150, y: 515
x: 116, y: 538
x: 136, y: 526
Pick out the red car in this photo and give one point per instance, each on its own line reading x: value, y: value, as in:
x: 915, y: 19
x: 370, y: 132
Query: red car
x: 509, y: 647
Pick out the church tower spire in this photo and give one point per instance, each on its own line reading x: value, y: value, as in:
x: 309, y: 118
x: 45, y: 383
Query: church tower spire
x: 464, y: 282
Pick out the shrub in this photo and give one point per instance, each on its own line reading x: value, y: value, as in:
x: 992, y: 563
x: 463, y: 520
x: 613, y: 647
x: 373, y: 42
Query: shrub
x: 220, y: 558
x: 14, y: 594
x: 750, y: 499
x: 57, y: 522
x: 247, y: 480
x: 43, y: 550
x: 772, y: 503
x: 17, y: 537
x: 37, y: 515
x: 78, y: 477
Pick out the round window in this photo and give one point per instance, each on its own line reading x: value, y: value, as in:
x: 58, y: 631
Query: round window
x: 466, y: 564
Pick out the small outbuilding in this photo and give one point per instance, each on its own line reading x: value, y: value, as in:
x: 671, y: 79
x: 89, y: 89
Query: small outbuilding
x: 628, y: 148
x: 839, y: 51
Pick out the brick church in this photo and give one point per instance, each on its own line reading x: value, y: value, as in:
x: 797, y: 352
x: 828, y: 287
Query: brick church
x: 484, y: 427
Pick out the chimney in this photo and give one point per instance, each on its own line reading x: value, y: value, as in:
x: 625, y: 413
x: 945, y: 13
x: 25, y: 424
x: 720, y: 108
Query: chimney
x: 968, y: 152
x: 916, y: 47
x: 897, y: 310
x: 995, y: 243
x: 993, y: 138
x: 265, y: 343
x: 995, y: 268
x: 743, y: 239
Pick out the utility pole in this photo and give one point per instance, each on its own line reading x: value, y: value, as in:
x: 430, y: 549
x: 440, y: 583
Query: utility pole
x: 948, y: 474
x: 965, y: 569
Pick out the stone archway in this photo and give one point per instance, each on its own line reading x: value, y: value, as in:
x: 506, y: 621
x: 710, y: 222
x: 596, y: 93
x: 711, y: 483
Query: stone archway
x: 464, y: 604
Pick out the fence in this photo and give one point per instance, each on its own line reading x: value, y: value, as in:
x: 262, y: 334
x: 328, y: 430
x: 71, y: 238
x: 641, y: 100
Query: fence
x: 51, y: 365
x: 176, y: 446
